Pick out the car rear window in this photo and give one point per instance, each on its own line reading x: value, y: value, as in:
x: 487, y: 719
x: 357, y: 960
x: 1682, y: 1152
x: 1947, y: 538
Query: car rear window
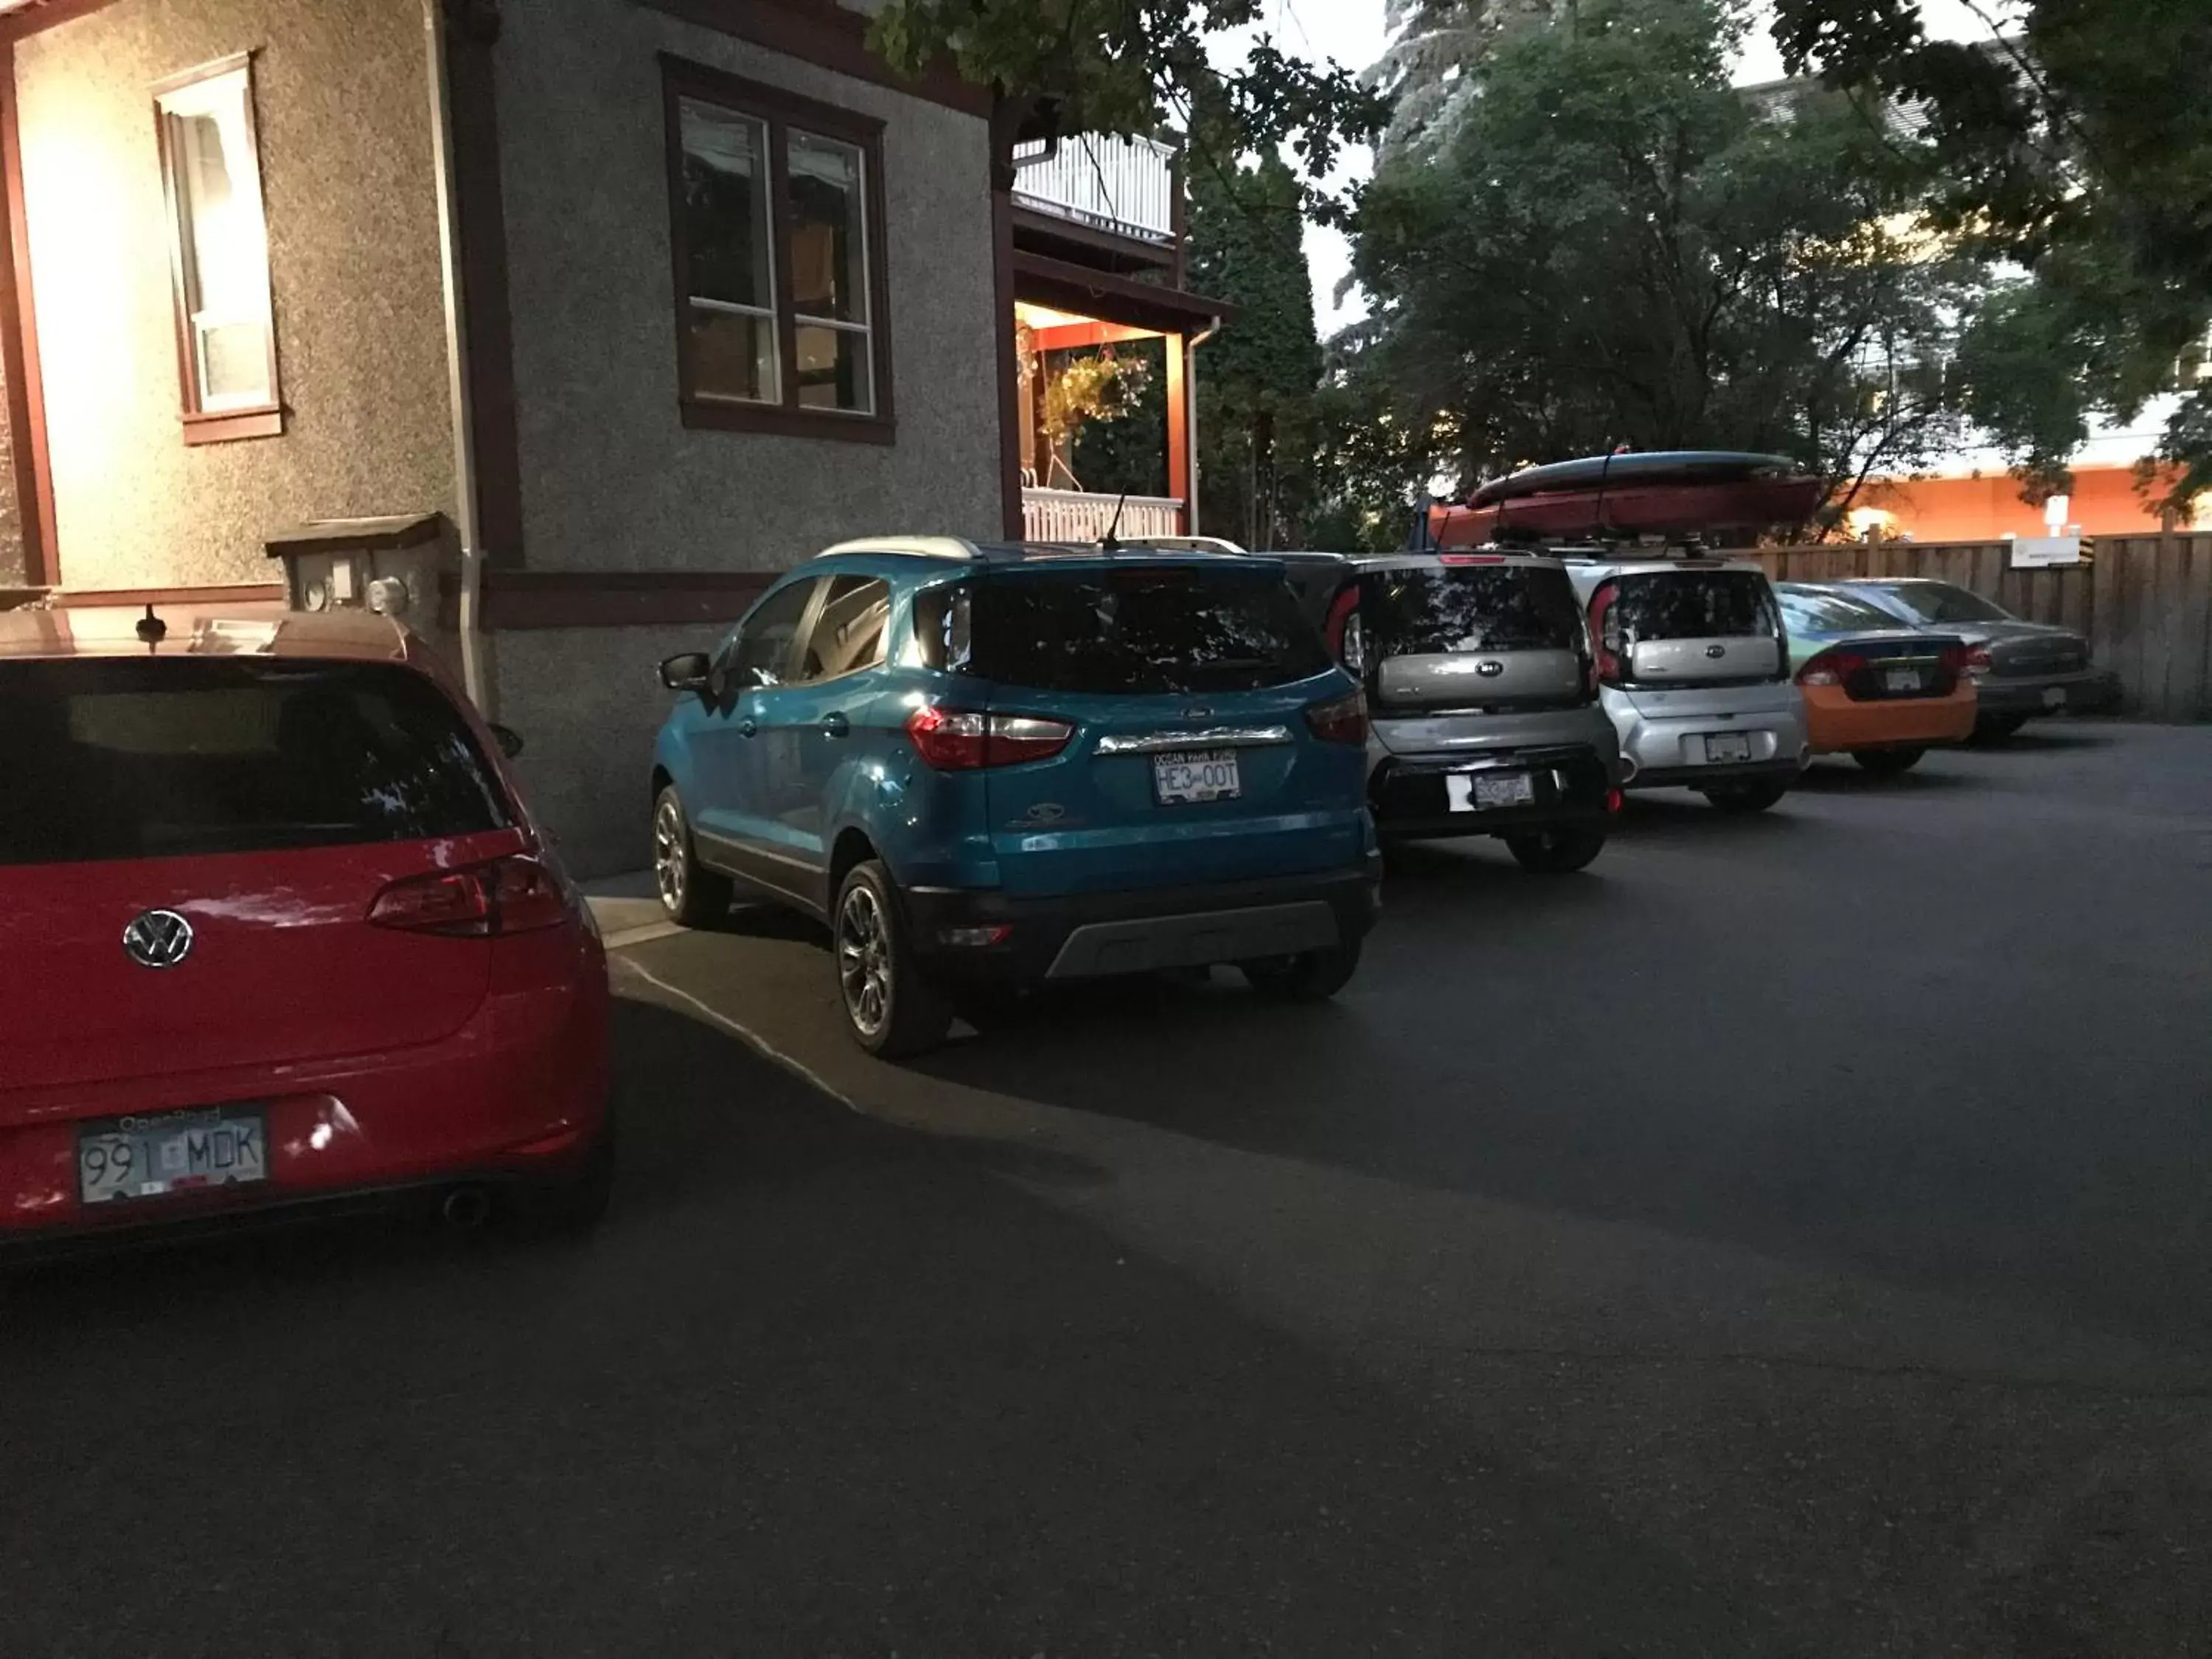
x: 1421, y: 611
x: 125, y: 758
x: 1121, y: 629
x: 1691, y: 604
x: 1807, y: 610
x: 1940, y: 602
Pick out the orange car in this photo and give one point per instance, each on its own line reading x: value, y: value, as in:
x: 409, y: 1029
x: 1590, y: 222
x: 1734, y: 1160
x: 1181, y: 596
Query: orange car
x: 1882, y: 694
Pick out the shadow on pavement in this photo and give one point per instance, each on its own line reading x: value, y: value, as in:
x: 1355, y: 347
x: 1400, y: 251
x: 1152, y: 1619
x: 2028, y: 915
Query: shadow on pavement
x: 818, y: 1386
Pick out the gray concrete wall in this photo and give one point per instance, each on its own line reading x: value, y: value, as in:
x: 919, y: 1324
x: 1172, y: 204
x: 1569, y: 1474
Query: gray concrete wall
x: 341, y: 100
x: 588, y: 702
x: 611, y: 477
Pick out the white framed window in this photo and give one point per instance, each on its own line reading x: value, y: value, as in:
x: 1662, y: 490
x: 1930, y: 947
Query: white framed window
x: 776, y: 227
x: 218, y: 252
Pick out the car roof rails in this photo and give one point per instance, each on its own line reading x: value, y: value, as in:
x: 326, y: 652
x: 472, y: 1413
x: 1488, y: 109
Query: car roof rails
x: 926, y: 547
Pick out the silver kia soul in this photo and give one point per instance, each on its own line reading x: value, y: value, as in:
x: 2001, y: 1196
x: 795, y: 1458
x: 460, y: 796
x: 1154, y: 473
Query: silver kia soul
x: 1482, y: 690
x: 1693, y: 669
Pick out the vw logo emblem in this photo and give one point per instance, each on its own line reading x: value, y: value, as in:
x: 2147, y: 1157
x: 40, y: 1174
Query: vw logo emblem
x: 1489, y: 669
x: 1716, y: 651
x: 158, y: 939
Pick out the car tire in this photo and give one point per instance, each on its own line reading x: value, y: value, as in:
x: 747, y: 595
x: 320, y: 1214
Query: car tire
x: 892, y: 1004
x: 1558, y: 852
x: 1993, y: 729
x: 578, y: 1204
x: 1754, y: 796
x: 1888, y: 762
x: 1309, y: 976
x: 691, y: 895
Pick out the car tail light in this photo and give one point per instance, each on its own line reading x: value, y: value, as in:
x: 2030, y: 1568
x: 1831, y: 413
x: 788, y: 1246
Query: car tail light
x: 1830, y: 668
x: 1614, y: 800
x: 1608, y: 668
x: 513, y: 895
x: 956, y: 741
x: 1343, y: 721
x: 1977, y: 660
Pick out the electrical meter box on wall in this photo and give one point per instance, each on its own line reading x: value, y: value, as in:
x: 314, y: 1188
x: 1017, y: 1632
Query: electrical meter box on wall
x: 393, y: 566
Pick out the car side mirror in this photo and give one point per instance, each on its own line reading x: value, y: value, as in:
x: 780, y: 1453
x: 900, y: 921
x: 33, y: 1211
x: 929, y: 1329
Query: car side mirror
x: 508, y: 739
x: 688, y: 670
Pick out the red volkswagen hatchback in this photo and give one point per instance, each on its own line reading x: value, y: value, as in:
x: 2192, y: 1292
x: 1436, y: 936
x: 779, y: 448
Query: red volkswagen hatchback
x: 277, y: 930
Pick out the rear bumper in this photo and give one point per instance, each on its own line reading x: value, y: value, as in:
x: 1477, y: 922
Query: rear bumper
x: 517, y: 1094
x: 2092, y: 690
x: 1837, y: 723
x: 1410, y: 797
x: 1086, y: 935
x: 1657, y: 752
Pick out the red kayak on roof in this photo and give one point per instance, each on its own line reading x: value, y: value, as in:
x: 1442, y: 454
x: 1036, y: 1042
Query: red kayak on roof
x: 1670, y: 492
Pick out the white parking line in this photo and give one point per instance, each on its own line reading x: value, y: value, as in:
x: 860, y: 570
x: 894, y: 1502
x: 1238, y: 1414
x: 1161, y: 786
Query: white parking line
x: 751, y: 1038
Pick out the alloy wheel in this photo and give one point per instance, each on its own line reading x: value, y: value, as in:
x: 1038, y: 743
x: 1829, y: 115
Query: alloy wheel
x: 668, y: 856
x: 864, y: 960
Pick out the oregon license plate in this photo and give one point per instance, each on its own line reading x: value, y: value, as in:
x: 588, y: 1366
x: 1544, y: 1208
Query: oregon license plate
x: 1196, y: 775
x: 1477, y: 792
x: 1901, y: 679
x: 165, y: 1152
x: 1727, y: 747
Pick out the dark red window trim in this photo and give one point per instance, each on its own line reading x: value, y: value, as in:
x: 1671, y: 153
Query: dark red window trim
x: 781, y: 111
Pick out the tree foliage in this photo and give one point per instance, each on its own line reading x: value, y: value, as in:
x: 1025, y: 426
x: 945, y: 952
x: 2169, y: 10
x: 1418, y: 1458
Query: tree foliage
x: 1134, y: 66
x: 1610, y: 244
x: 2080, y: 148
x: 1257, y: 379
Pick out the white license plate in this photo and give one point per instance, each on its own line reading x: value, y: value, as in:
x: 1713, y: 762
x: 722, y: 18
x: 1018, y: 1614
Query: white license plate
x: 1477, y: 791
x: 167, y: 1152
x: 2055, y: 697
x: 1727, y: 747
x: 1192, y: 774
x: 1901, y: 679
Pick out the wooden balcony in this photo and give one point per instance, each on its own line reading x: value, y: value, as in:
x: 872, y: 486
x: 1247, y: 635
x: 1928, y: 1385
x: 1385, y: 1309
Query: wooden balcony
x: 1076, y: 515
x: 1124, y: 188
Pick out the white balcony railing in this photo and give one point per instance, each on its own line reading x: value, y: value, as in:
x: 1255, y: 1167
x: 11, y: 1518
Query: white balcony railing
x: 1076, y: 515
x: 1124, y: 184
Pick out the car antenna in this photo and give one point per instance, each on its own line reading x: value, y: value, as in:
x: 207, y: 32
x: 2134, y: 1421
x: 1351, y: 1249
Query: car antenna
x: 151, y: 628
x: 1109, y: 543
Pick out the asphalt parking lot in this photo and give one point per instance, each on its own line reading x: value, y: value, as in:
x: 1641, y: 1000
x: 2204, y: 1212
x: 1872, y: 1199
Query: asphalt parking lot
x: 1793, y: 1236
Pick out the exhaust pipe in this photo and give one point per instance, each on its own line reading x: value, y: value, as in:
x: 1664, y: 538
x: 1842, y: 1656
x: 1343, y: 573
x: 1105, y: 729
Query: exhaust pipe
x: 466, y: 1208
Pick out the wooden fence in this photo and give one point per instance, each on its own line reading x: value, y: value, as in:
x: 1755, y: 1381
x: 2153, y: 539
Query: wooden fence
x: 2144, y: 601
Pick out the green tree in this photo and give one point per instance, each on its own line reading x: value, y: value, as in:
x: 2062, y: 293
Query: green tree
x: 1133, y: 67
x: 1256, y: 380
x: 1610, y: 244
x: 2079, y: 146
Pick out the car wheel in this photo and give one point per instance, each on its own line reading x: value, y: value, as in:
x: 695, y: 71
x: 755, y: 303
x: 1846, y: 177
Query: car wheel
x: 1747, y: 796
x: 1309, y: 976
x: 1888, y: 762
x: 1998, y: 728
x: 1558, y: 852
x: 691, y: 895
x: 578, y: 1204
x: 893, y: 1006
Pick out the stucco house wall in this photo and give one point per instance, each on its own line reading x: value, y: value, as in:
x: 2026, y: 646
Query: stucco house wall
x: 612, y: 479
x: 345, y: 127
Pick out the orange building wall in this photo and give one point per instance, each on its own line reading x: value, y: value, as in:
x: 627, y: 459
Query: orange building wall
x: 1982, y: 509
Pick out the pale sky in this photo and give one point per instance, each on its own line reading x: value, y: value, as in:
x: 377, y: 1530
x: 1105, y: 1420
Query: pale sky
x: 1353, y: 33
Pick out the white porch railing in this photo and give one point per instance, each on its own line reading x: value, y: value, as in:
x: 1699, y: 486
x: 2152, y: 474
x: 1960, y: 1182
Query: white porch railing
x: 1125, y: 185
x: 1076, y: 515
